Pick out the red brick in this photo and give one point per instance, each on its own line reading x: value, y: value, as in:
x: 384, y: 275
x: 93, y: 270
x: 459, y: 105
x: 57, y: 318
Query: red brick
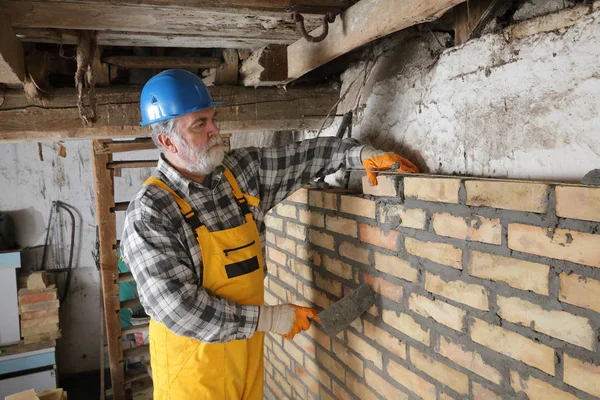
x: 377, y: 237
x: 39, y: 314
x: 384, y: 288
x: 391, y: 343
x: 27, y: 296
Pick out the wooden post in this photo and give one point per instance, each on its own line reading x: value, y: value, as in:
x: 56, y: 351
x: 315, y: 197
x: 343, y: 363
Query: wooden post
x: 107, y: 232
x: 227, y: 72
x: 466, y: 16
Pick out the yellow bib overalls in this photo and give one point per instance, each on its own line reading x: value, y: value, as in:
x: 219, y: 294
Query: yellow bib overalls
x: 185, y: 368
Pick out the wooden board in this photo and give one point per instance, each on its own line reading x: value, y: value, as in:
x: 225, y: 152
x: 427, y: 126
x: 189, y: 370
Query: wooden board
x: 227, y: 72
x: 247, y: 110
x: 267, y: 66
x: 362, y: 23
x: 12, y: 58
x: 162, y: 62
x: 107, y: 234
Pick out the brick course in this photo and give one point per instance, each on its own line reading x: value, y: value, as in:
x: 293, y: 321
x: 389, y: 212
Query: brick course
x: 486, y: 289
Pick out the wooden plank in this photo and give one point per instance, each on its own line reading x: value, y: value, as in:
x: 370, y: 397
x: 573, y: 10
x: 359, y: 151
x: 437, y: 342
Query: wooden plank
x: 135, y: 328
x: 247, y: 110
x: 12, y: 58
x: 138, y: 351
x: 121, y: 206
x: 227, y: 72
x: 107, y: 233
x: 267, y: 66
x: 220, y: 22
x: 124, y: 146
x: 132, y: 164
x: 162, y: 62
x: 362, y: 23
x: 147, y: 39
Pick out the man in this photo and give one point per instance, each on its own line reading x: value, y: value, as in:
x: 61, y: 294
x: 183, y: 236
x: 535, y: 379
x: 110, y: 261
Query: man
x: 193, y: 240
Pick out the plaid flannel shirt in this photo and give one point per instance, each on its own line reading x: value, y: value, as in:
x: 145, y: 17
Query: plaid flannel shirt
x: 163, y: 253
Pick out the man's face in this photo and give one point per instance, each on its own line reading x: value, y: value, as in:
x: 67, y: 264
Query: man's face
x: 199, y: 149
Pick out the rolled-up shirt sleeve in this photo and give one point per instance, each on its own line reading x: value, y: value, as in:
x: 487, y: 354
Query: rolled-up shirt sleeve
x: 168, y: 285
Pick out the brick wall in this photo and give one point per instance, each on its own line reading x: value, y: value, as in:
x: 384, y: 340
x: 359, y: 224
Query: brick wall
x: 488, y: 290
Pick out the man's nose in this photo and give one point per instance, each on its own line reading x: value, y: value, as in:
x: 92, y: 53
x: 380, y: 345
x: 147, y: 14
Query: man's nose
x: 212, y: 129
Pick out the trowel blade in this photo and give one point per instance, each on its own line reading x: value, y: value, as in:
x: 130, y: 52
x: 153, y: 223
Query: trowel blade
x: 343, y: 312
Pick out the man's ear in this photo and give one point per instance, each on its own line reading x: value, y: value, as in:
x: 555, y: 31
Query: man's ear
x: 167, y: 142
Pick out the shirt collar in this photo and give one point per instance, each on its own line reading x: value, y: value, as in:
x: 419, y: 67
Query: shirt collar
x: 180, y: 183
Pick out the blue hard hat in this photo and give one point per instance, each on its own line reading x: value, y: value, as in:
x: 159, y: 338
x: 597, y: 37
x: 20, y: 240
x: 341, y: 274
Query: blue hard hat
x: 172, y: 93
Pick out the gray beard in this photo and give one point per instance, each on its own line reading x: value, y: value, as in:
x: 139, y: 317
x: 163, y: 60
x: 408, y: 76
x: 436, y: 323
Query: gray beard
x: 202, y: 161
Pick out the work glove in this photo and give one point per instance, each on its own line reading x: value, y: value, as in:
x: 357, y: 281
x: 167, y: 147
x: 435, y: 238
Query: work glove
x: 377, y: 160
x: 286, y: 319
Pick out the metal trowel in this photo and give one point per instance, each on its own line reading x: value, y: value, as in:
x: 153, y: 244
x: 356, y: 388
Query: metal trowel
x: 343, y: 312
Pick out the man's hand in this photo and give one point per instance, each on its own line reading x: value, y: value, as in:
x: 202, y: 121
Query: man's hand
x: 285, y: 319
x: 376, y: 160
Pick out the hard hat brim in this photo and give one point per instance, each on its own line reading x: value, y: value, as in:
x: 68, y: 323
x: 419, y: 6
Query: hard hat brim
x: 168, y: 117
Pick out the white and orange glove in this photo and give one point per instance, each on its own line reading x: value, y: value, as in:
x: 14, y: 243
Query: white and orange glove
x: 376, y: 160
x: 286, y: 319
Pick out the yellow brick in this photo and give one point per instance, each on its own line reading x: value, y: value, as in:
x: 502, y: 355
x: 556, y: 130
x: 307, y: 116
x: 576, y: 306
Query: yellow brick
x: 384, y: 288
x: 282, y: 356
x: 330, y: 364
x: 536, y: 389
x: 432, y: 189
x: 311, y: 218
x: 300, y: 391
x: 309, y: 254
x: 439, y: 371
x: 378, y: 237
x: 270, y: 237
x: 438, y: 310
x: 287, y: 210
x: 519, y: 274
x: 470, y: 360
x: 476, y: 228
x: 358, y: 206
x: 301, y: 270
x: 317, y: 372
x: 578, y: 203
x: 386, y: 186
x: 440, y: 253
x: 329, y: 285
x: 277, y: 256
x: 341, y: 225
x: 520, y: 196
x: 308, y: 380
x: 321, y: 239
x: 391, y: 343
x: 354, y: 253
x: 396, y: 267
x: 580, y: 291
x: 319, y: 336
x: 274, y: 388
x: 283, y: 383
x: 482, y: 393
x: 564, y: 244
x: 444, y: 396
x: 472, y: 295
x: 325, y: 396
x: 513, y: 345
x: 316, y: 297
x: 405, y: 324
x: 383, y: 387
x: 286, y: 277
x: 323, y: 199
x: 278, y: 365
x: 293, y: 351
x: 278, y: 290
x: 403, y: 216
x: 285, y: 244
x: 343, y: 353
x: 363, y: 348
x: 295, y: 230
x: 299, y: 196
x: 337, y: 267
x: 411, y: 381
x: 340, y: 393
x: 582, y: 375
x: 273, y: 222
x: 360, y: 390
x: 559, y: 324
x: 268, y: 367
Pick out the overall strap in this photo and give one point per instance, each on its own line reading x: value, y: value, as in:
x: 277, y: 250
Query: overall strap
x: 242, y: 199
x: 188, y: 212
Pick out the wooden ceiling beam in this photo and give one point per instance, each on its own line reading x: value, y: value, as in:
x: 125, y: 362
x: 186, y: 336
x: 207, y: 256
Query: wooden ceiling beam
x: 162, y: 62
x: 12, y: 57
x: 247, y: 110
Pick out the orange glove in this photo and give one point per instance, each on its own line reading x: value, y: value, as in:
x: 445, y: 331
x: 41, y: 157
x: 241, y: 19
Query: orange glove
x: 302, y: 321
x: 385, y: 162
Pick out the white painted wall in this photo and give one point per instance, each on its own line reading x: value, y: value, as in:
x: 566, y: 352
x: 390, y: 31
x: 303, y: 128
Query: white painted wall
x: 526, y: 109
x: 29, y: 186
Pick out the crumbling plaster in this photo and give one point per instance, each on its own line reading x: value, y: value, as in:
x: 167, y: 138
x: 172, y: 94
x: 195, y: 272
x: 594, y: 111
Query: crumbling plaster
x: 521, y: 109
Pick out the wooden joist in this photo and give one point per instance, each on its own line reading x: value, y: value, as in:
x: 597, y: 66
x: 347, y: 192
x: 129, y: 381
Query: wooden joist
x: 162, y: 62
x: 247, y: 110
x: 267, y: 66
x: 108, y: 147
x: 131, y: 164
x: 12, y: 58
x: 360, y: 24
